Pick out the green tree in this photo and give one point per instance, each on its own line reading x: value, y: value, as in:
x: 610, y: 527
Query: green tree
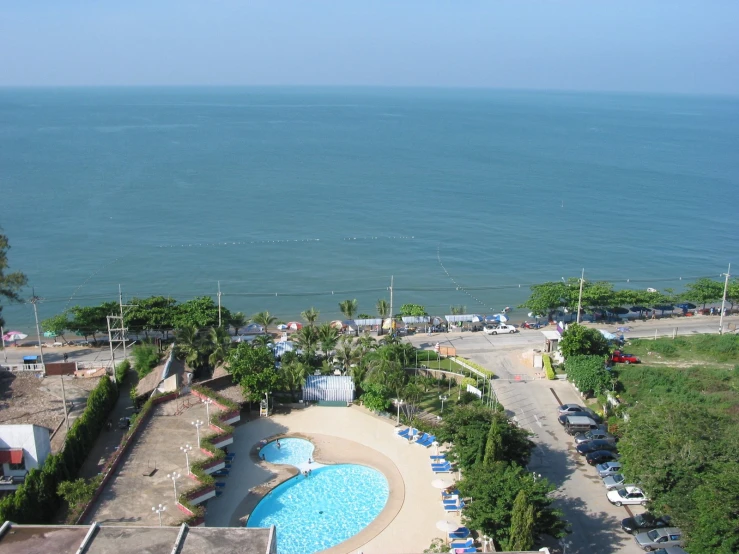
x: 254, y: 369
x: 77, y: 492
x: 293, y: 373
x: 56, y: 324
x: 328, y: 336
x: 145, y: 358
x: 310, y: 316
x: 493, y: 444
x: 218, y: 345
x: 307, y: 340
x: 237, y: 321
x: 703, y: 291
x: 578, y: 340
x: 90, y: 320
x: 547, y: 298
x: 412, y: 310
x: 348, y: 308
x: 265, y: 319
x: 10, y: 283
x: 521, y: 536
x: 458, y: 310
x: 155, y: 313
x: 346, y: 354
x: 189, y: 346
x: 376, y: 397
x: 732, y: 292
x: 495, y: 489
x: 383, y: 310
x: 588, y: 373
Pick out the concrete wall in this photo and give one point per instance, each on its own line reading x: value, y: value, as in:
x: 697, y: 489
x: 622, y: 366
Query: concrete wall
x: 60, y: 368
x: 34, y: 441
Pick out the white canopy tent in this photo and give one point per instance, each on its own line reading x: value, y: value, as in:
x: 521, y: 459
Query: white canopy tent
x: 463, y: 318
x: 416, y: 319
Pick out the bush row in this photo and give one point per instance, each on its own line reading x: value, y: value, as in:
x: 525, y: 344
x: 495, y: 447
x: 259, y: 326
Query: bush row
x: 548, y: 369
x: 37, y: 499
x: 478, y: 367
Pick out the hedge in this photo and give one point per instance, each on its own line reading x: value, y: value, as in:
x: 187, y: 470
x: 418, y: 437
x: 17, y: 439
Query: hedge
x: 121, y: 370
x: 478, y: 367
x: 548, y: 369
x: 37, y: 500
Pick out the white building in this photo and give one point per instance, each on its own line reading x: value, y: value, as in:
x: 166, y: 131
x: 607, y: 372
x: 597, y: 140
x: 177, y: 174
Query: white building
x: 22, y: 448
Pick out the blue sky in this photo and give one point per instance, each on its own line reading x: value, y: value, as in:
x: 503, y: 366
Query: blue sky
x: 625, y: 45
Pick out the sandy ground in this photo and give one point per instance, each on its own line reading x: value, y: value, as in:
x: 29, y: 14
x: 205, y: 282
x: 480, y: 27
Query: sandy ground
x: 408, y: 522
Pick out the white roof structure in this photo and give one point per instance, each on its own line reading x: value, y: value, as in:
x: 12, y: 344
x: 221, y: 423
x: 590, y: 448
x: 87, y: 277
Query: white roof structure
x: 464, y: 318
x: 416, y: 319
x: 370, y: 321
x: 333, y: 388
x: 552, y: 335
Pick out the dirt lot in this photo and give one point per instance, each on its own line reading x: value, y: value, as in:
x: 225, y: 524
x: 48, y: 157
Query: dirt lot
x: 30, y: 398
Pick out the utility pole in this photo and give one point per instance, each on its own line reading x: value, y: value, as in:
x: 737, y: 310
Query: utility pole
x: 579, y: 298
x: 120, y: 303
x: 723, y: 302
x: 391, y: 305
x: 219, y: 303
x: 34, y: 300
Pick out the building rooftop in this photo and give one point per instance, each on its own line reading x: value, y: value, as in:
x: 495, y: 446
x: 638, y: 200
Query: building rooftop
x: 69, y: 539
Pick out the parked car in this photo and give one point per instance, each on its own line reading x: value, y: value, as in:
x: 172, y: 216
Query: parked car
x: 644, y: 521
x: 595, y: 434
x: 659, y: 538
x: 601, y: 457
x: 502, y: 329
x: 595, y: 445
x: 608, y: 468
x: 615, y: 481
x: 619, y: 357
x: 570, y: 409
x: 629, y: 495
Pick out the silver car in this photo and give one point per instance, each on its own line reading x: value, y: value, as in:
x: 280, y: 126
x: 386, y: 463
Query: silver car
x: 659, y: 538
x: 594, y: 434
x: 615, y: 481
x: 608, y: 468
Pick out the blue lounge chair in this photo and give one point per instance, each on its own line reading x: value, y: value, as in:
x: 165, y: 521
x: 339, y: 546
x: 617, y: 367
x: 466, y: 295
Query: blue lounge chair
x: 451, y: 500
x: 442, y: 469
x: 445, y: 464
x: 438, y: 457
x: 461, y: 533
x: 428, y: 441
x: 454, y: 507
x: 404, y: 433
x: 422, y: 438
x: 462, y: 544
x: 449, y: 494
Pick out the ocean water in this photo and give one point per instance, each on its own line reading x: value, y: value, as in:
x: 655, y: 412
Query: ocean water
x: 303, y: 197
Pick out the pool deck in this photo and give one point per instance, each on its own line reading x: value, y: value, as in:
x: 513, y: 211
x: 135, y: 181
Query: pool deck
x: 341, y: 435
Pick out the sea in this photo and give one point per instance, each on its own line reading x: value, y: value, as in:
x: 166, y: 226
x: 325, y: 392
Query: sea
x: 290, y: 198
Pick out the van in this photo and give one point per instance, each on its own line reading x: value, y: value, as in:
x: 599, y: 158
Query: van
x: 575, y: 424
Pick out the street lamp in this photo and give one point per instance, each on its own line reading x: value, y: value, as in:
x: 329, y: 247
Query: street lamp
x: 443, y: 399
x: 398, y: 402
x: 159, y: 511
x: 198, y: 424
x: 174, y: 476
x: 207, y: 402
x: 187, y: 449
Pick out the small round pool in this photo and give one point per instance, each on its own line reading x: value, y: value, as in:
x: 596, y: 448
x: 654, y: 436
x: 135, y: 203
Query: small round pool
x: 295, y: 452
x: 314, y: 513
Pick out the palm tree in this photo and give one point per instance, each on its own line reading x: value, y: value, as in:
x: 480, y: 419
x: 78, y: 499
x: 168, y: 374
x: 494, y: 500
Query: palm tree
x: 219, y: 343
x: 237, y: 321
x: 265, y: 319
x: 348, y: 308
x: 310, y: 316
x: 262, y: 340
x: 293, y: 374
x: 307, y: 340
x: 189, y: 346
x: 328, y: 336
x: 383, y: 309
x: 367, y: 342
x: 457, y: 310
x: 346, y: 355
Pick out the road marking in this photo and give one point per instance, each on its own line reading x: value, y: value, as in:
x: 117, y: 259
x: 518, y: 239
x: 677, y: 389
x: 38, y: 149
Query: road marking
x: 537, y: 421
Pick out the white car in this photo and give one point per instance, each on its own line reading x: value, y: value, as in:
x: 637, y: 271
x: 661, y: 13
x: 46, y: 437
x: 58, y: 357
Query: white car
x: 628, y: 495
x: 495, y: 329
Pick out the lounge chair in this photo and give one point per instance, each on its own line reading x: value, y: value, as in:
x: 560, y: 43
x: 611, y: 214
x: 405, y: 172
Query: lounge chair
x: 462, y: 544
x: 455, y: 492
x: 404, y: 433
x: 451, y: 500
x: 445, y: 464
x: 442, y: 469
x: 438, y: 457
x: 461, y: 533
x: 428, y: 441
x: 454, y: 507
x: 422, y: 438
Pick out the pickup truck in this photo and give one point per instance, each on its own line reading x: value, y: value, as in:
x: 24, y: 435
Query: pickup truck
x: 619, y: 357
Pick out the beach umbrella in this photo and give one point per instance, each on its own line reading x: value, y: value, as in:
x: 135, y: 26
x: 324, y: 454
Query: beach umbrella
x: 619, y: 310
x: 607, y: 335
x: 447, y: 526
x: 337, y: 324
x: 387, y: 323
x: 282, y: 327
x: 12, y: 336
x: 49, y: 334
x: 254, y: 328
x: 686, y: 306
x: 477, y: 318
x: 623, y: 329
x: 441, y: 484
x: 294, y: 325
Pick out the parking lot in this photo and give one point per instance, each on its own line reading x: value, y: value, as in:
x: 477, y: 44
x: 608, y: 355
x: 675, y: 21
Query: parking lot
x: 581, y: 494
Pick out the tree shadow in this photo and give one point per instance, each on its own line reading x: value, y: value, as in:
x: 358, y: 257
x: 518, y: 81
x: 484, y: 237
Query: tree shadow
x: 554, y: 465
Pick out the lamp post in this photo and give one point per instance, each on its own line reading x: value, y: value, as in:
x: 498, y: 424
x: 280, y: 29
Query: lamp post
x: 723, y: 303
x: 443, y: 399
x: 207, y: 402
x: 398, y: 403
x: 198, y: 424
x: 174, y: 476
x: 159, y: 511
x: 187, y: 449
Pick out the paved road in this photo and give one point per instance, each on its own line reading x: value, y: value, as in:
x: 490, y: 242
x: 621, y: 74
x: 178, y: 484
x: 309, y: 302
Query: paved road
x: 581, y: 495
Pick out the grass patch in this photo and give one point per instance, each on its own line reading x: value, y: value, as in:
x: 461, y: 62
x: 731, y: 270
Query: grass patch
x: 699, y: 349
x: 446, y: 364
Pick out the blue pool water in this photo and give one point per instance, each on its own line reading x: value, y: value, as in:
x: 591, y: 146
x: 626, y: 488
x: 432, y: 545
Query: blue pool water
x: 294, y: 452
x: 317, y: 512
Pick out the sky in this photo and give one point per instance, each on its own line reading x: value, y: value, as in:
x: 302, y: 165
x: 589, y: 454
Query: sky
x: 670, y: 46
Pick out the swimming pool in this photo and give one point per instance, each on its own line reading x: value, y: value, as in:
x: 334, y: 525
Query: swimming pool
x: 317, y: 512
x: 295, y: 452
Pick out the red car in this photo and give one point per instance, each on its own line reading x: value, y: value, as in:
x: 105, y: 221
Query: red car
x: 619, y: 357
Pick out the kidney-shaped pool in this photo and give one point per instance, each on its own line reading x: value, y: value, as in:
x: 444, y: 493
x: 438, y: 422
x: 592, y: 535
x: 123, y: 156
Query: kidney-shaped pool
x: 316, y: 512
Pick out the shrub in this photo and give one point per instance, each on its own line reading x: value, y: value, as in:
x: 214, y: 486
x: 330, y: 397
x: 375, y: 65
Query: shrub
x: 548, y: 369
x: 121, y: 370
x: 478, y: 367
x: 145, y: 358
x: 588, y: 373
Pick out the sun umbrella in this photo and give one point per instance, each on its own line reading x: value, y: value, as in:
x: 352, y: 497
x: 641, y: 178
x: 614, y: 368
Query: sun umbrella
x: 686, y: 306
x: 477, y: 318
x: 282, y: 327
x: 337, y: 324
x: 447, y: 526
x: 607, y: 335
x: 500, y: 318
x: 12, y: 336
x: 49, y: 334
x: 294, y: 325
x: 441, y: 484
